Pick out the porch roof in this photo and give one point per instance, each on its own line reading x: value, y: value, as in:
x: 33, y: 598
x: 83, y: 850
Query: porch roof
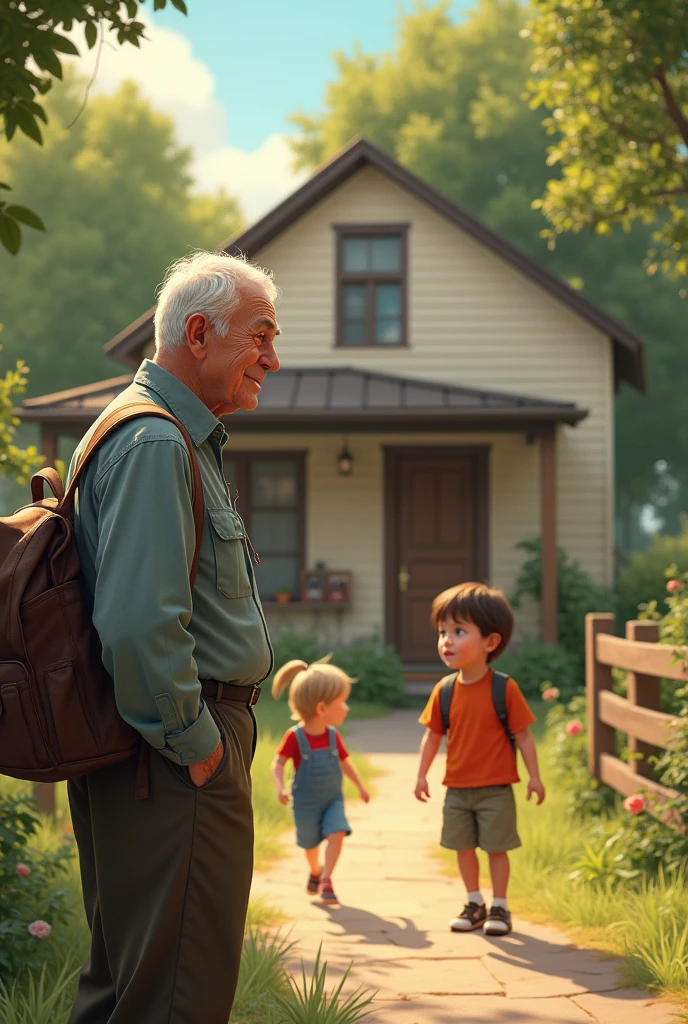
x: 339, y: 399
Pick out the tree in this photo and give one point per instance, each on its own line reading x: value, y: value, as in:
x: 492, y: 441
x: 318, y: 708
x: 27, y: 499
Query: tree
x: 31, y: 42
x: 15, y: 463
x: 614, y: 74
x: 119, y: 192
x: 448, y: 102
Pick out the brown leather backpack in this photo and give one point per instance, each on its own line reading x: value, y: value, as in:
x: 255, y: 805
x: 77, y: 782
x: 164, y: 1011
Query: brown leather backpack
x: 58, y: 716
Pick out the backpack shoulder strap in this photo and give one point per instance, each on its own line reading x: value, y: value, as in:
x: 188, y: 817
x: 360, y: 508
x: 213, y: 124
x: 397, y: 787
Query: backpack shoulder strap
x: 499, y: 681
x: 135, y: 410
x: 446, y: 693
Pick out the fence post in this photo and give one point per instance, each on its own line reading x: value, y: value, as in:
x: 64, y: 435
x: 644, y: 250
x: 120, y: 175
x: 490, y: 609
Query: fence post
x: 643, y: 691
x: 597, y: 677
x: 45, y: 795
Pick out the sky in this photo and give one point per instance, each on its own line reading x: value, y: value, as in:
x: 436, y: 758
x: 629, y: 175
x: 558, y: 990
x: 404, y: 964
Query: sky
x: 231, y: 73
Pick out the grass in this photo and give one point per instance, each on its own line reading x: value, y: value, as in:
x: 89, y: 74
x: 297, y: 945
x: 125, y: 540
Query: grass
x: 645, y: 924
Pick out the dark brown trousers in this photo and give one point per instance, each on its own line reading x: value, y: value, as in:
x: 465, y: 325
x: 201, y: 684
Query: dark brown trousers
x: 166, y: 884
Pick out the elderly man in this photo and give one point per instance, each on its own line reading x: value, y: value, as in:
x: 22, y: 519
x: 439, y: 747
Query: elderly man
x: 166, y: 879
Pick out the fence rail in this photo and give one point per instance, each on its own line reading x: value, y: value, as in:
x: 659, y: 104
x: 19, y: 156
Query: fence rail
x: 646, y: 663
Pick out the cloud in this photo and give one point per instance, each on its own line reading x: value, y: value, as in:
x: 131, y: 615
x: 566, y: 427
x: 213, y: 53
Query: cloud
x: 179, y: 84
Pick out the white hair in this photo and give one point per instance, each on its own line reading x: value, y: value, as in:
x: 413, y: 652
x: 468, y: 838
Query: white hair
x: 208, y: 283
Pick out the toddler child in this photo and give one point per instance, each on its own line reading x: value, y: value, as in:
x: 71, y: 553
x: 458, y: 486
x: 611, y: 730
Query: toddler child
x: 474, y: 625
x: 317, y: 697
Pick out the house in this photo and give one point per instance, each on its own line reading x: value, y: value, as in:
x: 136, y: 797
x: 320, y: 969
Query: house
x: 442, y: 397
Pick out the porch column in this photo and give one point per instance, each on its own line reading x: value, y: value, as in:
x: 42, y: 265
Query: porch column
x: 548, y: 534
x: 48, y: 445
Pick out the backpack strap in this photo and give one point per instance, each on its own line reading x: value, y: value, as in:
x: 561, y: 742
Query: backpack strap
x: 499, y: 681
x: 135, y: 410
x: 446, y: 693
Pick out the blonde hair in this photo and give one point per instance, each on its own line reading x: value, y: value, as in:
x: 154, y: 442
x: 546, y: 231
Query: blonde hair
x: 311, y: 684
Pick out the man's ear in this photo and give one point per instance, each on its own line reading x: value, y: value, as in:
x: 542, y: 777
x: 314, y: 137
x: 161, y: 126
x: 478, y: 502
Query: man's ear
x: 195, y: 335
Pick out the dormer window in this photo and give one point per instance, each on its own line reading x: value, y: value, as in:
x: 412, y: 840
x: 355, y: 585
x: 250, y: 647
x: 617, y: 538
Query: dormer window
x: 371, y: 285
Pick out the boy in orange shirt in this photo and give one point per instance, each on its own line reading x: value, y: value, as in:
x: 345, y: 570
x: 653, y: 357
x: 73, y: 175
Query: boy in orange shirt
x: 474, y: 624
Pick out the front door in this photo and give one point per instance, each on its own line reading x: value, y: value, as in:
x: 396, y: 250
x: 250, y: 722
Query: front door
x: 437, y: 529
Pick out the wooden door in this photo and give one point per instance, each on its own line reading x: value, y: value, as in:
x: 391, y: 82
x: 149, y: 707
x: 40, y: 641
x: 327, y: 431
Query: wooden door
x: 437, y: 525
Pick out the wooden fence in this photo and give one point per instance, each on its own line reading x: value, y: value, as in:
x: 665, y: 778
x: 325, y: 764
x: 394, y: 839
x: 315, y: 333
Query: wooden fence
x: 646, y: 662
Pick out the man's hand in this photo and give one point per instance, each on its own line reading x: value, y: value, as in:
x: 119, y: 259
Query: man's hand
x: 536, y: 786
x: 422, y: 792
x: 283, y: 796
x: 204, y: 770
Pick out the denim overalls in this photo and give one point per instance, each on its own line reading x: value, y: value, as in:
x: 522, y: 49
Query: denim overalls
x: 317, y: 792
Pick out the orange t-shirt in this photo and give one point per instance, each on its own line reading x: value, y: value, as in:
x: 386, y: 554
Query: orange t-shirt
x: 478, y: 751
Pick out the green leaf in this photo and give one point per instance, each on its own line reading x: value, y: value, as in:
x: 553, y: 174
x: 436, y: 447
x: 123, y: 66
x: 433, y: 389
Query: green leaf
x: 28, y: 124
x: 91, y: 34
x: 26, y: 216
x: 63, y: 45
x: 5, y: 186
x: 10, y: 234
x: 180, y: 5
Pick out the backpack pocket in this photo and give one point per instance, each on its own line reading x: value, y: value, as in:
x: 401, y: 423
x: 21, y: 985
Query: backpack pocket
x: 22, y: 743
x: 228, y: 535
x: 72, y: 723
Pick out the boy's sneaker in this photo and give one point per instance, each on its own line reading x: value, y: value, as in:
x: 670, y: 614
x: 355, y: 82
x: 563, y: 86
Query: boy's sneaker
x: 326, y: 892
x: 313, y: 883
x: 498, y: 922
x: 471, y: 917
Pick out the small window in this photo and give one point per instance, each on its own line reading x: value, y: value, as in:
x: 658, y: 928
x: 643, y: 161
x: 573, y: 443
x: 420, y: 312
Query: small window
x: 371, y: 288
x: 270, y: 502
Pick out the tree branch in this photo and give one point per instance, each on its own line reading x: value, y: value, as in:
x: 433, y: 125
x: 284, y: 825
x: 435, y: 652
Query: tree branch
x: 671, y: 104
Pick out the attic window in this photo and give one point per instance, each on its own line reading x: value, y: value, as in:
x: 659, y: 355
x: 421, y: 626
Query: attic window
x: 371, y: 286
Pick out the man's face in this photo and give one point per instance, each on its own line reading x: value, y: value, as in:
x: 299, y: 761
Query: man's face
x: 234, y: 367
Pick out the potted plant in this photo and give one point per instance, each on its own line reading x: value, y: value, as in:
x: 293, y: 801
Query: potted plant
x: 283, y: 596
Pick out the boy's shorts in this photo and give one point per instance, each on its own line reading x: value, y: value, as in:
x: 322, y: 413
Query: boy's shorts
x: 315, y: 823
x: 484, y: 816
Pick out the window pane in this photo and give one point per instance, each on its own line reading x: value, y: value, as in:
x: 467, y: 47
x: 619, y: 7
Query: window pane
x: 277, y: 572
x: 388, y: 300
x: 274, y: 483
x: 388, y: 332
x: 355, y: 255
x: 354, y: 301
x: 386, y: 254
x: 275, y: 532
x: 354, y: 333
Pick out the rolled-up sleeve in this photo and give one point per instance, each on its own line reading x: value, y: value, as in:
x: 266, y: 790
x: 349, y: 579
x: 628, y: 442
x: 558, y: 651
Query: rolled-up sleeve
x: 142, y: 599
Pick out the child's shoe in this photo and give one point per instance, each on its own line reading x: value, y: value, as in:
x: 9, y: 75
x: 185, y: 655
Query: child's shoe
x: 326, y: 893
x: 471, y: 917
x: 313, y: 883
x: 498, y: 922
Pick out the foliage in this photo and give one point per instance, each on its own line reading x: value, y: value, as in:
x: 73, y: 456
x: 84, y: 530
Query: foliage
x: 40, y: 999
x: 261, y: 978
x: 29, y: 890
x: 643, y: 579
x: 578, y: 595
x: 31, y: 45
x: 15, y: 462
x: 293, y: 646
x: 377, y: 669
x: 119, y: 190
x: 447, y: 102
x: 537, y: 664
x: 615, y: 76
x: 568, y: 760
x: 309, y: 1003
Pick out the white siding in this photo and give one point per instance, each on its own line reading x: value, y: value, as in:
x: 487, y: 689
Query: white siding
x: 473, y: 320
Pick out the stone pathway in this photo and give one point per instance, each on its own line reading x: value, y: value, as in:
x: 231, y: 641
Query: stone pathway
x: 393, y: 920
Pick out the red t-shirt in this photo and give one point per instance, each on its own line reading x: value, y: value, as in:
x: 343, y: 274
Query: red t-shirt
x: 289, y: 747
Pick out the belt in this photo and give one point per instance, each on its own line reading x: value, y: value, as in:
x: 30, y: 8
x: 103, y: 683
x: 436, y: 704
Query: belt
x: 215, y: 690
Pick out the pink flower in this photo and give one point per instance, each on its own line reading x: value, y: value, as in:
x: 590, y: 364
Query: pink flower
x: 550, y: 694
x: 573, y: 728
x: 634, y: 804
x: 40, y: 929
x: 23, y: 869
x: 674, y: 585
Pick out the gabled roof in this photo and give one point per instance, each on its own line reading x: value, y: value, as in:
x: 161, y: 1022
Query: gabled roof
x: 628, y: 347
x: 342, y: 398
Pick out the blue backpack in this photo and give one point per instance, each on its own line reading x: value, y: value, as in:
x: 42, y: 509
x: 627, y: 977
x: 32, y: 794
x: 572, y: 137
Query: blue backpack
x: 499, y: 681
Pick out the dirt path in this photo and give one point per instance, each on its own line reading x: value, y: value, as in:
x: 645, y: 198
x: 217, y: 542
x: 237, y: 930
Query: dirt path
x: 394, y: 914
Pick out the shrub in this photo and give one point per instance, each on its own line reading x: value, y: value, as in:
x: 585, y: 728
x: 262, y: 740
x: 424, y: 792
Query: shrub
x: 644, y: 577
x: 377, y: 667
x: 568, y: 759
x: 31, y: 901
x: 290, y: 646
x: 537, y: 663
x: 578, y: 595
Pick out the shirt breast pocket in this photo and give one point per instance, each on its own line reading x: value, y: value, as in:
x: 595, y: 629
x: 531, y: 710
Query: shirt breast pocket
x: 228, y: 536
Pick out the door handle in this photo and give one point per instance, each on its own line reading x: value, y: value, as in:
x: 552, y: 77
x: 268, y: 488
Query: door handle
x: 403, y: 579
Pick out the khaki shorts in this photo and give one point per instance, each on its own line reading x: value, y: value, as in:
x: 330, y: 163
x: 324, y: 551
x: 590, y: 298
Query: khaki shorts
x: 484, y: 816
